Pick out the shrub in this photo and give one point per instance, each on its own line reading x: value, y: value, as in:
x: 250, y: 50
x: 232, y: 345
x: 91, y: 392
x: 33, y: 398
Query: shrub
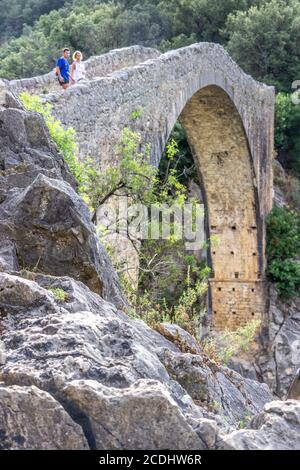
x: 65, y: 139
x: 287, y: 138
x: 283, y: 244
x: 186, y: 312
x: 286, y: 275
x: 59, y: 294
x: 142, y: 183
x: 223, y: 346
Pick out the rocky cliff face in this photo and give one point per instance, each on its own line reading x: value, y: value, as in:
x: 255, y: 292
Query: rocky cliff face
x: 44, y: 225
x: 75, y: 371
x: 279, y: 360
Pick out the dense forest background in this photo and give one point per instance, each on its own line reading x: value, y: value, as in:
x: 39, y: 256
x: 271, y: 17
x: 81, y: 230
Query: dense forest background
x: 263, y: 36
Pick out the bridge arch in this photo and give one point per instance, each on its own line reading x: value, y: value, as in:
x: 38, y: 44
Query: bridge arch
x: 219, y: 144
x: 228, y: 118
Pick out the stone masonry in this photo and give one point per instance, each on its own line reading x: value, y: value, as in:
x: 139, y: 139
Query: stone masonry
x: 228, y: 118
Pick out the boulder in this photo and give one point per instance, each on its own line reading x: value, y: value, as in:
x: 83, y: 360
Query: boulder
x: 277, y: 427
x: 66, y: 340
x: 218, y: 390
x: 8, y: 257
x: 142, y: 415
x: 177, y: 335
x: 31, y: 419
x: 41, y: 215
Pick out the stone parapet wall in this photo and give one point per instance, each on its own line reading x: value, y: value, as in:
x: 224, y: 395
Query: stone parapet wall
x: 96, y: 66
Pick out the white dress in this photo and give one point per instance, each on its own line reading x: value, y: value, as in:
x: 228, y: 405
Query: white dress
x: 79, y: 72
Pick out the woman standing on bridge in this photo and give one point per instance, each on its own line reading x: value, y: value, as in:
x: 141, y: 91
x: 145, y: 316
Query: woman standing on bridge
x: 77, y: 69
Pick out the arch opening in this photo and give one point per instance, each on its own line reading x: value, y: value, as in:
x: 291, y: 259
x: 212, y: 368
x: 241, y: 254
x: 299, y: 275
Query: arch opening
x: 172, y: 270
x: 216, y: 142
x: 220, y: 149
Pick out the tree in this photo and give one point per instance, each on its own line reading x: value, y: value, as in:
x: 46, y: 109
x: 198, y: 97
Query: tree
x: 287, y: 137
x: 283, y: 247
x: 265, y: 41
x: 203, y: 18
x: 15, y: 13
x: 92, y: 30
x: 143, y: 24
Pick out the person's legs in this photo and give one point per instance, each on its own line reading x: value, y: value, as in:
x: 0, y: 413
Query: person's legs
x: 65, y: 84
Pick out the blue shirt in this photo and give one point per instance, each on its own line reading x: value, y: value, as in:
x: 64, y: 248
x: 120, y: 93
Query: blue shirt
x: 64, y: 68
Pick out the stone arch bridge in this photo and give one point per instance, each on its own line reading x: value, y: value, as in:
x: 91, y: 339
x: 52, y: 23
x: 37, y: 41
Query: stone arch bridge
x: 228, y: 119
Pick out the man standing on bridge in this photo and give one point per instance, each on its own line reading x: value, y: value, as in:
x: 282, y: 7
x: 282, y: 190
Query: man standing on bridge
x: 63, y: 69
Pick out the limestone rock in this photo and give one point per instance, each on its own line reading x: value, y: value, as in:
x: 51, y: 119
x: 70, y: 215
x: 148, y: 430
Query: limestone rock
x: 276, y: 428
x: 41, y: 214
x: 52, y: 230
x: 142, y: 415
x: 78, y: 345
x: 244, y: 367
x: 177, y: 335
x: 280, y: 359
x: 217, y: 389
x: 26, y: 151
x: 8, y: 256
x: 31, y: 419
x: 294, y: 390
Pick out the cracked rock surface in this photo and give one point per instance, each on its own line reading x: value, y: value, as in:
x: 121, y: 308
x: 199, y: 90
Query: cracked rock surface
x: 280, y: 360
x: 44, y: 225
x: 110, y: 373
x: 34, y: 420
x: 277, y: 427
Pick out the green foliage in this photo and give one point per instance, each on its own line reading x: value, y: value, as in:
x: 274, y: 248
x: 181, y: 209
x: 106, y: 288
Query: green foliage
x: 244, y: 422
x: 244, y: 335
x: 184, y: 311
x: 200, y: 19
x: 92, y: 26
x: 96, y: 26
x: 264, y: 40
x: 283, y: 239
x: 286, y: 275
x: 223, y: 346
x: 287, y: 136
x: 65, y: 139
x: 134, y: 175
x: 172, y: 284
x: 78, y: 28
x: 15, y: 13
x: 182, y: 160
x: 283, y: 244
x: 59, y: 294
x: 187, y: 312
x: 136, y: 114
x: 181, y: 40
x: 262, y: 35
